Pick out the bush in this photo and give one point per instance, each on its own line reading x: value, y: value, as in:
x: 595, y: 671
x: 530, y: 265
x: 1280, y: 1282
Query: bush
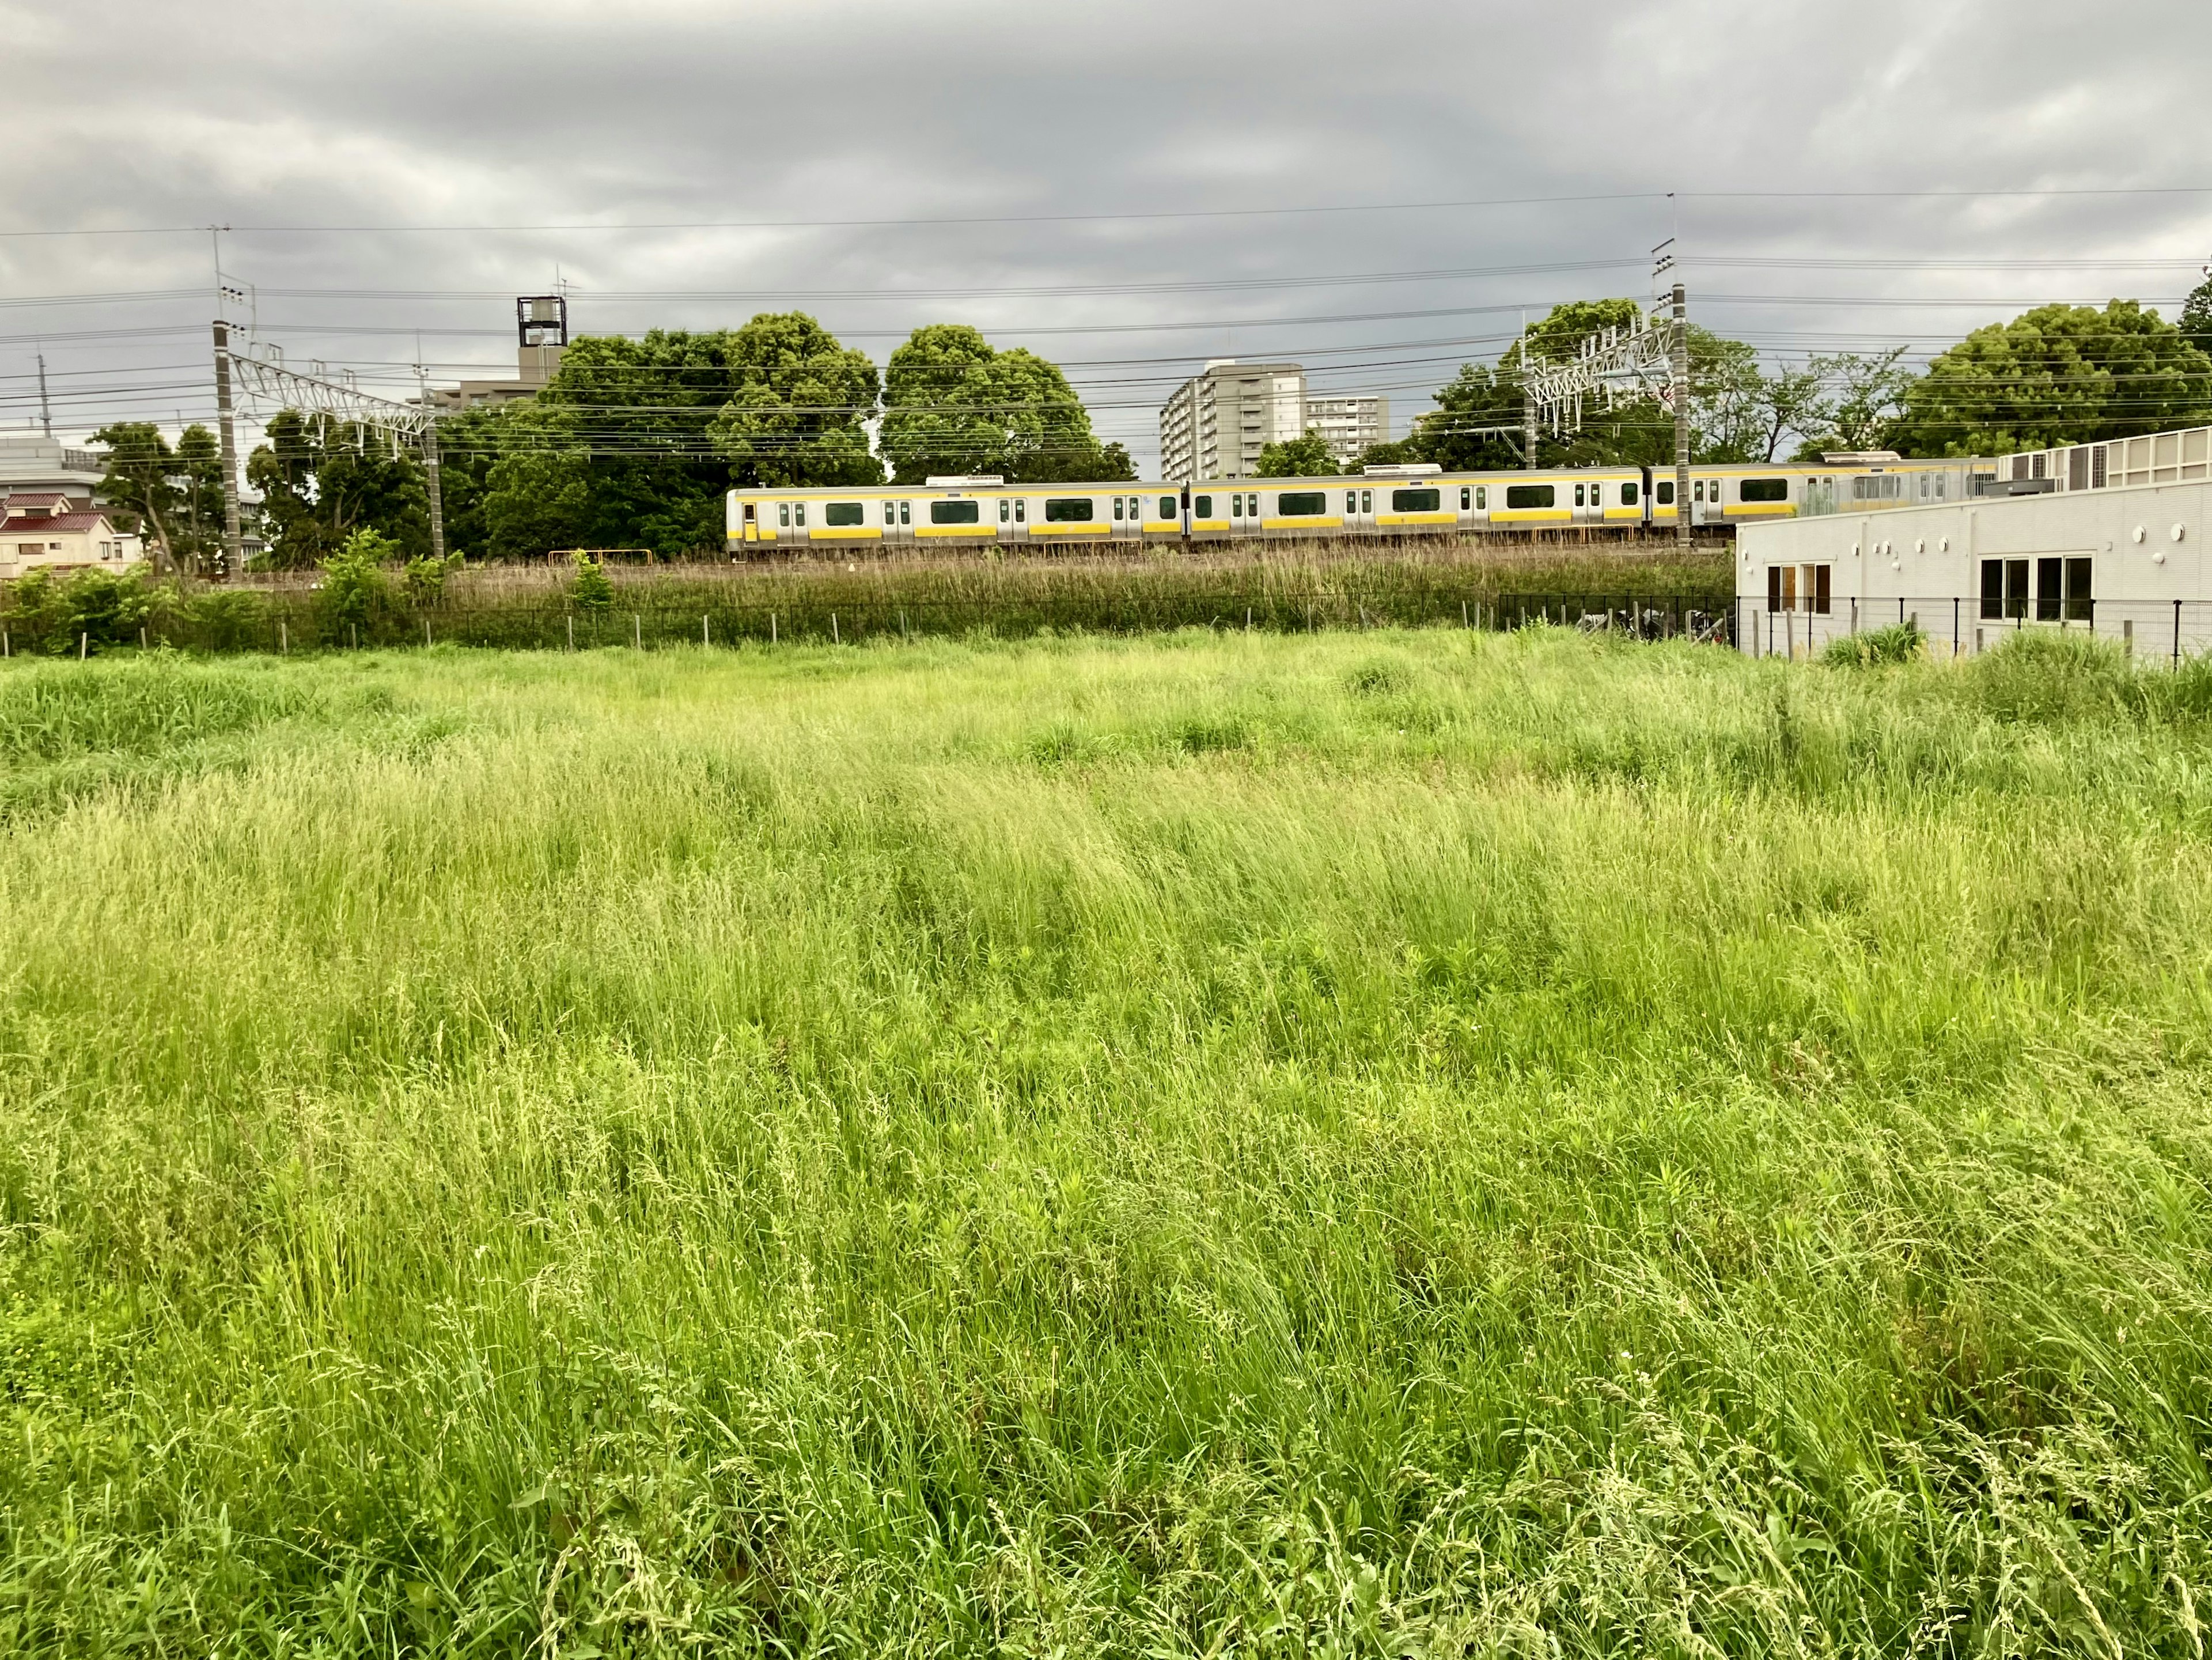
x: 591, y: 590
x: 1900, y: 642
x: 424, y: 580
x: 355, y: 595
x: 2041, y: 677
x: 96, y: 606
x: 226, y: 619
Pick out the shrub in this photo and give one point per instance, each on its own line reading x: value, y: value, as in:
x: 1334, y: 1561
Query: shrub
x: 355, y: 592
x: 226, y: 619
x: 424, y: 580
x: 1900, y: 642
x: 592, y: 589
x: 2038, y: 676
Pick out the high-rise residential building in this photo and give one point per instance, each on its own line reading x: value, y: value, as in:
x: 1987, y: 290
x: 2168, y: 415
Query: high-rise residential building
x: 1215, y: 424
x: 1349, y: 423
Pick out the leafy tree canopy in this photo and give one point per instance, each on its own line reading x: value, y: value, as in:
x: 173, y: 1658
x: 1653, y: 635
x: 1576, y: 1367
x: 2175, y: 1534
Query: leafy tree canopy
x: 2196, y: 317
x: 321, y: 480
x: 1306, y: 457
x: 2057, y: 374
x: 954, y: 403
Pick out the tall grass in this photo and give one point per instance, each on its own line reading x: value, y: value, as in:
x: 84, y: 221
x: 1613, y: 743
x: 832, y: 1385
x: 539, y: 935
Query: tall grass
x: 1409, y: 1143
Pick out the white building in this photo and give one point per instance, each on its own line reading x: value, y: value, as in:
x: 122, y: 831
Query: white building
x: 1348, y: 423
x: 2126, y: 562
x: 33, y: 461
x: 1216, y: 424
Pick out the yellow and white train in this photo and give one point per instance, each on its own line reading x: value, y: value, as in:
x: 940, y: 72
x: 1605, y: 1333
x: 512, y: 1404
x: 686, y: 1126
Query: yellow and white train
x: 1383, y: 502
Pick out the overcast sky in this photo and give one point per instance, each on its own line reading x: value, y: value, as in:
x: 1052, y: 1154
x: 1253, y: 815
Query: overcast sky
x: 404, y: 166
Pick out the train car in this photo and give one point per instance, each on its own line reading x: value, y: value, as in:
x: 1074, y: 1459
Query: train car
x: 1392, y: 501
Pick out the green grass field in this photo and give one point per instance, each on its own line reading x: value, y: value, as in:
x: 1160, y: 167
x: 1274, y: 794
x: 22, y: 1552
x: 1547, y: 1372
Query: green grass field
x: 1367, y: 1143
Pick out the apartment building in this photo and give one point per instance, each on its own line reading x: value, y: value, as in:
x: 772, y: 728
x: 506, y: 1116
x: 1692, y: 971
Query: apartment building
x: 1349, y: 423
x: 1215, y: 424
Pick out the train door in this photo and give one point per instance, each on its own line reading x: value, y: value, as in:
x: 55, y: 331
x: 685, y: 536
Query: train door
x: 898, y: 521
x: 1359, y: 508
x: 1013, y: 519
x: 1128, y: 520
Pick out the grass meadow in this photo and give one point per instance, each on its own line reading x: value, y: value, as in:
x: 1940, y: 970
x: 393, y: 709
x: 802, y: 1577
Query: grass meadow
x: 1403, y: 1142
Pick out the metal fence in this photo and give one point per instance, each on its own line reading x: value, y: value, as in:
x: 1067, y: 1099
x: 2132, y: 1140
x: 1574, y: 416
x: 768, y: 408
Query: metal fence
x: 1965, y: 625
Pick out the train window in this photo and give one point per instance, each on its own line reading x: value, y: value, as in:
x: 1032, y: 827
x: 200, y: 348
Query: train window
x: 1202, y: 507
x: 799, y: 515
x: 1628, y: 495
x: 890, y: 513
x: 1301, y: 503
x: 1167, y: 507
x: 1464, y: 498
x: 1068, y: 509
x: 956, y: 513
x: 1367, y: 501
x: 905, y: 509
x: 1663, y: 492
x: 1117, y: 510
x: 1765, y: 490
x: 843, y: 513
x: 1529, y: 496
x: 1005, y: 510
x: 1482, y: 498
x: 1416, y: 501
x: 1021, y: 512
x: 783, y: 513
x: 1578, y: 496
x: 1352, y: 501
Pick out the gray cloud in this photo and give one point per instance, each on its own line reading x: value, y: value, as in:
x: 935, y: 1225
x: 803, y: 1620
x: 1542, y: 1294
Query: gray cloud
x: 273, y: 117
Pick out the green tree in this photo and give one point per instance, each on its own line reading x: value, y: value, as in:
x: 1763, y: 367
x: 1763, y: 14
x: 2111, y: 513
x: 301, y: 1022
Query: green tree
x: 197, y: 527
x: 953, y: 404
x: 796, y: 405
x: 2057, y: 374
x: 1860, y: 398
x: 1306, y: 457
x: 322, y: 480
x: 140, y: 479
x: 2197, y: 316
x: 1476, y: 424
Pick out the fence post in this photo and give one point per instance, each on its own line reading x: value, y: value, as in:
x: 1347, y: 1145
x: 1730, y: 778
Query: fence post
x: 705, y: 638
x: 2176, y: 634
x: 571, y: 630
x: 637, y: 633
x: 284, y: 637
x: 771, y: 628
x: 83, y: 645
x: 1955, y: 625
x: 426, y: 631
x: 835, y: 639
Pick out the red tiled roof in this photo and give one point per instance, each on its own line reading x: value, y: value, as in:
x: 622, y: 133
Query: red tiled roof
x: 23, y: 499
x: 53, y: 522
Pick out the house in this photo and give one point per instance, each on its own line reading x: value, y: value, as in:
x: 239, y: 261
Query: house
x: 47, y: 530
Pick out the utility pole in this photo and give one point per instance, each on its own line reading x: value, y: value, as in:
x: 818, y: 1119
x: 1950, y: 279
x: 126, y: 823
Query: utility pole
x: 1681, y: 387
x: 1527, y: 401
x: 45, y: 408
x: 437, y: 504
x: 233, y: 560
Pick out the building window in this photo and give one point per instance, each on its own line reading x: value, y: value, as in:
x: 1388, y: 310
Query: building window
x: 1416, y: 501
x: 2062, y: 589
x: 1765, y: 490
x: 1781, y: 587
x: 956, y: 513
x: 1301, y: 504
x: 2004, y: 589
x: 839, y: 514
x: 1813, y: 579
x: 1068, y: 509
x: 1529, y: 496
